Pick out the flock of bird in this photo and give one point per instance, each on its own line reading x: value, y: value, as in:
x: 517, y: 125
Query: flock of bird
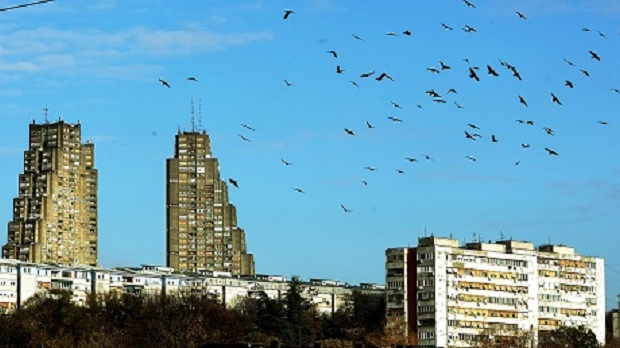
x: 474, y: 73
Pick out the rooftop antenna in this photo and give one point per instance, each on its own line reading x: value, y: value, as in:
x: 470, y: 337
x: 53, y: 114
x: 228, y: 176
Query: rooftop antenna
x: 549, y: 240
x: 474, y: 237
x: 199, y: 114
x: 501, y: 235
x: 45, y: 112
x: 424, y: 231
x: 451, y: 235
x: 192, y: 101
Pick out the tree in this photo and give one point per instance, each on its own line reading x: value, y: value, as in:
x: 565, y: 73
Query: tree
x: 568, y: 337
x: 393, y: 332
x: 301, y: 322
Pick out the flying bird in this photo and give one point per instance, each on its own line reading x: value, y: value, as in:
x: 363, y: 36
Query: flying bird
x: 354, y: 83
x: 384, y: 75
x: 525, y: 146
x: 391, y: 33
x: 433, y: 69
x: 445, y: 26
x: 491, y: 72
x: 345, y: 209
x: 469, y: 136
x: 164, y: 83
x: 333, y: 53
x: 549, y: 131
x: 593, y: 55
x: 432, y: 93
x: 368, y: 74
x: 569, y: 62
x: 551, y: 152
x: 615, y: 90
x: 427, y: 157
x: 243, y: 138
x: 522, y: 100
x: 585, y: 72
x: 289, y: 84
x: 411, y: 159
x: 493, y: 138
x: 233, y: 182
x: 451, y: 90
x: 555, y: 99
x: 473, y: 126
x: 568, y: 83
x: 444, y: 66
x: 286, y: 163
x: 459, y: 106
x: 339, y: 70
x: 248, y: 127
x: 369, y: 125
x: 473, y: 75
x: 297, y: 189
x: 407, y: 32
x: 192, y: 79
x: 471, y: 158
x: 469, y: 29
x: 400, y: 171
x: 469, y: 4
x: 365, y: 182
x: 287, y: 13
x: 357, y: 37
x: 396, y: 105
x: 349, y: 132
x: 521, y: 15
x: 603, y: 122
x: 394, y: 119
x: 372, y: 169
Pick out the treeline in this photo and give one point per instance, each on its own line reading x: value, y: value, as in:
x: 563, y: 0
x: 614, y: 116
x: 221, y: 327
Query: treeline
x: 186, y: 320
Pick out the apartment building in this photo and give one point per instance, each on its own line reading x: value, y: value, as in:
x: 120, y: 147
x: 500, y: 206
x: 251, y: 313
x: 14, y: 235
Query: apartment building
x: 55, y: 213
x: 201, y: 224
x: 463, y: 296
x: 20, y: 280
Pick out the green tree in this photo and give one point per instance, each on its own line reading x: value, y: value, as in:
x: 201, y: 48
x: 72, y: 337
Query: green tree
x: 301, y: 320
x: 568, y: 337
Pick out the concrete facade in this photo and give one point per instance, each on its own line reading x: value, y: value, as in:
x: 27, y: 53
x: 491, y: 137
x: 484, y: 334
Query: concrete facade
x: 460, y: 296
x: 55, y: 213
x: 201, y: 224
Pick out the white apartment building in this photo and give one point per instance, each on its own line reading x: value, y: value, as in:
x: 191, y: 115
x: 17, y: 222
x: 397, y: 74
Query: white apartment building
x: 20, y: 280
x: 463, y: 296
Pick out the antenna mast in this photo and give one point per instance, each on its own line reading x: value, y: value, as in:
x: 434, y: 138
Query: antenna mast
x: 199, y: 114
x: 45, y: 112
x: 192, y: 112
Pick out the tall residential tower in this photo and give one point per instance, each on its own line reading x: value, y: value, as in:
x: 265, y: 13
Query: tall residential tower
x: 55, y: 214
x: 201, y: 224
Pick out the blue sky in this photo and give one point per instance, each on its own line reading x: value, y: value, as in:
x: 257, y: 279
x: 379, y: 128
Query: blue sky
x: 99, y: 63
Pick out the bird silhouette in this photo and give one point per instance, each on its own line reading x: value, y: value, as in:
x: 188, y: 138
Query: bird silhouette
x: 247, y: 127
x: 551, y: 152
x: 569, y: 62
x: 233, y: 182
x: 407, y: 32
x: 593, y: 55
x: 339, y: 70
x: 243, y: 138
x: 396, y: 105
x: 469, y: 4
x: 447, y: 27
x: 287, y: 13
x: 469, y: 29
x: 297, y: 189
x: 601, y: 34
x: 333, y: 53
x: 365, y: 182
x: 469, y: 136
x: 522, y: 100
x: 345, y: 209
x: 549, y: 131
x: 471, y: 158
x: 451, y: 90
x: 411, y: 159
x: 525, y: 146
x: 164, y: 83
x: 473, y: 126
x: 427, y: 157
x: 439, y: 101
x: 289, y: 84
x: 521, y: 15
x: 568, y: 84
x: 493, y: 138
x: 368, y: 74
x: 384, y: 75
x: 603, y: 122
x: 444, y: 66
x: 372, y: 169
x: 459, y: 106
x: 491, y: 72
x: 615, y: 90
x: 555, y: 99
x: 354, y: 83
x: 433, y: 70
x: 369, y: 125
x: 286, y: 163
x: 400, y: 171
x: 357, y: 37
x: 432, y: 93
x: 192, y: 79
x: 394, y: 119
x: 473, y: 75
x: 585, y: 72
x: 391, y: 33
x: 349, y: 132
